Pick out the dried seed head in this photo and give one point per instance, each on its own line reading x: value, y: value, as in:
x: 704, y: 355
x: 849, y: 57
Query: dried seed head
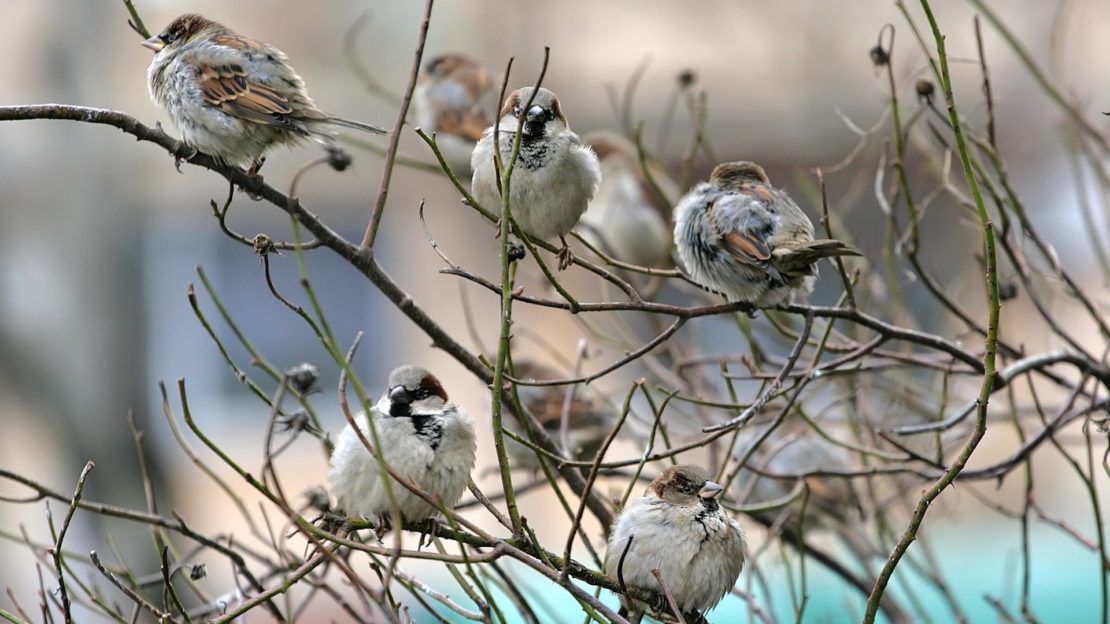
x: 687, y: 78
x: 263, y: 244
x: 296, y: 422
x: 879, y: 56
x: 303, y: 376
x: 925, y: 90
x: 317, y: 498
x: 338, y: 159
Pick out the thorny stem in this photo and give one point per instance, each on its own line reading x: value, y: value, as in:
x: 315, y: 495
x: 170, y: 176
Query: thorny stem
x: 505, y: 175
x: 990, y: 346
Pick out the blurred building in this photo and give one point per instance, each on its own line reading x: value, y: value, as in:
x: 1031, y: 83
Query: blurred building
x: 100, y: 236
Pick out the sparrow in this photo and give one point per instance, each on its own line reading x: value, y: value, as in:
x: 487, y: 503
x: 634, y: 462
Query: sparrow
x: 589, y: 420
x: 233, y: 97
x: 555, y: 175
x: 456, y: 98
x: 832, y: 501
x: 423, y: 437
x: 627, y: 219
x: 678, y: 528
x: 741, y: 237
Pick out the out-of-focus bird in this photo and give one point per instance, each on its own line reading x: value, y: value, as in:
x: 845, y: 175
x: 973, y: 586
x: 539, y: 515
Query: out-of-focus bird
x: 739, y: 236
x: 233, y: 97
x: 456, y: 98
x: 589, y: 420
x: 555, y: 175
x: 832, y: 501
x: 423, y: 437
x: 626, y: 218
x: 678, y: 528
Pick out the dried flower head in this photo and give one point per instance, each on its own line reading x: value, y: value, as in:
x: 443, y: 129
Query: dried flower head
x: 303, y: 377
x: 879, y: 56
x: 338, y: 158
x: 263, y: 244
x: 687, y: 78
x: 317, y: 497
x: 925, y: 90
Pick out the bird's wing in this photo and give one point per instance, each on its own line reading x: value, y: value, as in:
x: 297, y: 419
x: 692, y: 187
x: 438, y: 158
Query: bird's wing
x: 728, y: 218
x: 466, y: 124
x: 228, y: 88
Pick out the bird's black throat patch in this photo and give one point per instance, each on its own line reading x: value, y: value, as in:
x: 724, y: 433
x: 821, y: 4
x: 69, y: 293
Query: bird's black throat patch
x: 709, y: 507
x: 429, y: 428
x: 533, y: 150
x: 426, y: 425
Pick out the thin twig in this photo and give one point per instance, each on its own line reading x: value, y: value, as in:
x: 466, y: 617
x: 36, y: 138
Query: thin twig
x: 56, y: 549
x: 395, y: 135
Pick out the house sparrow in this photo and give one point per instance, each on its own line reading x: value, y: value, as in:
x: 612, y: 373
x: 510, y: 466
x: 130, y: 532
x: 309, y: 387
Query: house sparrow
x: 832, y: 501
x: 626, y: 219
x: 423, y: 437
x: 589, y: 421
x: 456, y: 98
x: 555, y: 174
x: 230, y: 96
x: 678, y: 528
x: 739, y: 236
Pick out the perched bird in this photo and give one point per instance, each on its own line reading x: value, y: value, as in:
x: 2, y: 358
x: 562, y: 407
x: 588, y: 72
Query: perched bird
x: 589, y: 420
x: 555, y: 174
x: 233, y: 97
x: 456, y: 98
x: 678, y: 528
x: 741, y: 237
x: 627, y: 219
x: 832, y: 501
x: 423, y: 437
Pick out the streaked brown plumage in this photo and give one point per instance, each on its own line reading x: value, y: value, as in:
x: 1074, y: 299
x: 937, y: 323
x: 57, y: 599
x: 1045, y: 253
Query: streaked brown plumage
x: 739, y: 236
x: 231, y: 96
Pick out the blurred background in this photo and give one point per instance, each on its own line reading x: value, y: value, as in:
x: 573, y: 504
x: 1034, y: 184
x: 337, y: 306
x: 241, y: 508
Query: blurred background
x: 100, y: 238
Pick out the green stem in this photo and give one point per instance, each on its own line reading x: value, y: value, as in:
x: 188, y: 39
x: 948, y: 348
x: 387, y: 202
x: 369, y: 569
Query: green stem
x: 991, y: 342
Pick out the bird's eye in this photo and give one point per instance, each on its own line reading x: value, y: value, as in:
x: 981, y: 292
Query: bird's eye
x: 549, y: 115
x: 421, y: 393
x: 517, y: 110
x: 169, y: 37
x: 687, y: 488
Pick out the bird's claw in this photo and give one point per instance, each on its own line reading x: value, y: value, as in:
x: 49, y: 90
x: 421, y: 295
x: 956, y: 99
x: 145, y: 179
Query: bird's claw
x: 256, y: 165
x: 177, y: 158
x: 430, y: 530
x: 659, y: 604
x: 566, y: 257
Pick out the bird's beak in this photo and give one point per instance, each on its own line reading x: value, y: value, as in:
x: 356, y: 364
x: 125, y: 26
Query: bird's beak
x: 535, y: 114
x: 710, y: 490
x: 154, y: 43
x: 398, y: 395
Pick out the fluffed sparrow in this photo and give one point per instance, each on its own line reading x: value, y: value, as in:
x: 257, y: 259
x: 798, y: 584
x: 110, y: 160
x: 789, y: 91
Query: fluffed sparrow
x: 456, y: 98
x: 423, y: 437
x: 739, y: 236
x: 678, y: 528
x: 626, y: 218
x: 555, y: 175
x: 233, y: 97
x: 589, y: 420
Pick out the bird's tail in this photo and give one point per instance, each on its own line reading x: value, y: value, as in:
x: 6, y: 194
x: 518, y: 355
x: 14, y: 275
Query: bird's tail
x: 355, y: 125
x: 799, y: 257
